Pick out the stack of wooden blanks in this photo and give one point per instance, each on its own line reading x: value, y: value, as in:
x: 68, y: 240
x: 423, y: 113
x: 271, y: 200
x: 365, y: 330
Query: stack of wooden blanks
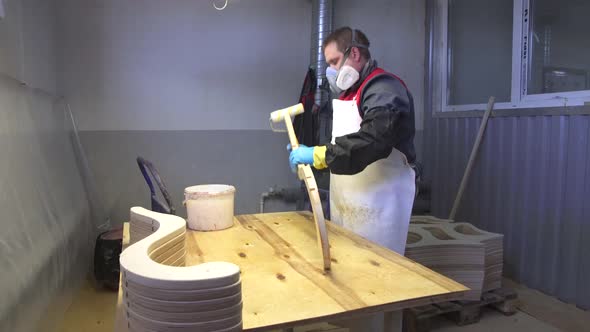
x: 159, y: 294
x: 428, y: 220
x: 140, y: 227
x: 494, y: 250
x: 460, y: 260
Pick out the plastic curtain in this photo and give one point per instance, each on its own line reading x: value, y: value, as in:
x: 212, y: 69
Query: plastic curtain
x: 47, y: 233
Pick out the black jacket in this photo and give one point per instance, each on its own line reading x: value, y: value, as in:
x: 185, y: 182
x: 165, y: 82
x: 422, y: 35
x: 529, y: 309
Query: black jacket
x: 387, y: 112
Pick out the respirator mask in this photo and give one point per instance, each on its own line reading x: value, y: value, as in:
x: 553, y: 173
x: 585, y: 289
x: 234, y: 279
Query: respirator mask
x: 344, y: 78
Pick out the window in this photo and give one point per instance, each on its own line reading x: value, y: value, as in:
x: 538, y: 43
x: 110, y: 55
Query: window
x: 480, y: 56
x: 526, y: 53
x: 560, y: 47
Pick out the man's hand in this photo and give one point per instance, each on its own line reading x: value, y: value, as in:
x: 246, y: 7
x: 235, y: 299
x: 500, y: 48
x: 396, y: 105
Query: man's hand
x: 301, y: 155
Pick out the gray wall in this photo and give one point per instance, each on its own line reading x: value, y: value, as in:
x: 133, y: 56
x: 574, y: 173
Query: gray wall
x: 396, y: 30
x: 250, y: 160
x: 530, y: 183
x: 186, y: 86
x: 182, y: 65
x: 27, y: 42
x: 191, y: 88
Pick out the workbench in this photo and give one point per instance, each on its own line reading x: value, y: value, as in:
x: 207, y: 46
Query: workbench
x: 284, y: 284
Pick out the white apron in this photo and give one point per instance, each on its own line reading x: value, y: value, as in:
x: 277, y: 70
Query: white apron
x: 377, y: 202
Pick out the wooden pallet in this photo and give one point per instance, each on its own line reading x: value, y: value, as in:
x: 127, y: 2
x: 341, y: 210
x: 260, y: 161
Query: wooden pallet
x: 418, y: 319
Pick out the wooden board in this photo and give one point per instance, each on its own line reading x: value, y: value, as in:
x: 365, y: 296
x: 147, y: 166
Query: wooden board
x: 284, y: 285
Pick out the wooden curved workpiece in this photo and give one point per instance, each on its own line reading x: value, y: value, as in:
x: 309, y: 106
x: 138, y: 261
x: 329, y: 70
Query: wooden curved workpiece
x: 306, y: 175
x: 161, y: 294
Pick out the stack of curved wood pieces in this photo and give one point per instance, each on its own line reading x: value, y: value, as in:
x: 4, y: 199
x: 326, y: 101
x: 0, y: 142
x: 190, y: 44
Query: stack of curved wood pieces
x: 140, y: 226
x: 161, y: 294
x: 462, y: 261
x: 428, y: 220
x: 459, y: 251
x: 494, y: 251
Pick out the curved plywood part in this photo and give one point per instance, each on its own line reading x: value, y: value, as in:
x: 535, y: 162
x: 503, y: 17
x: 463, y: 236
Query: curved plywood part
x: 428, y: 220
x: 419, y: 237
x: 161, y: 294
x: 305, y: 174
x: 439, y: 233
x: 467, y: 229
x: 413, y: 237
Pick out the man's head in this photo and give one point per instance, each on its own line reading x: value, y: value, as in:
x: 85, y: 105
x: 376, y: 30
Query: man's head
x: 346, y: 42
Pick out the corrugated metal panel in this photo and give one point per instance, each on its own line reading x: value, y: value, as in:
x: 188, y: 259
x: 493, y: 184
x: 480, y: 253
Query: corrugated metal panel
x: 531, y: 182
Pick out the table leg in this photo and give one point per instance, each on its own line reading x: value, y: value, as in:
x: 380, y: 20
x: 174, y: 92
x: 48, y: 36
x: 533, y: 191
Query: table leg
x: 372, y: 323
x: 393, y: 321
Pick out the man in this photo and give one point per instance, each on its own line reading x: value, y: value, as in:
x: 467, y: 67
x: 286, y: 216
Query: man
x: 372, y: 183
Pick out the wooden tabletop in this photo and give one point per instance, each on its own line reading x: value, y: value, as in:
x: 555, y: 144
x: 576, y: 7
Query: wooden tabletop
x: 284, y: 285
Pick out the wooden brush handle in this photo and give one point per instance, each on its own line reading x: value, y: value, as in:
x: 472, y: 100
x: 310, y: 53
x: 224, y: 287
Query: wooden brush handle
x: 291, y: 131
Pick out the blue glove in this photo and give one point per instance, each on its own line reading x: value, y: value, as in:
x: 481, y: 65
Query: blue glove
x: 302, y: 155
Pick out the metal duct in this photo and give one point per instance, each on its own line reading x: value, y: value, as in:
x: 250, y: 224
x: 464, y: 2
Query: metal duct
x: 321, y: 28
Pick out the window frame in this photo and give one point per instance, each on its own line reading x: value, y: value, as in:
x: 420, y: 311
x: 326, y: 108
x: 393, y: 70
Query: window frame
x: 520, y: 67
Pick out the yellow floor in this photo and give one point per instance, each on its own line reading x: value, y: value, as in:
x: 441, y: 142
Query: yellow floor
x: 92, y: 310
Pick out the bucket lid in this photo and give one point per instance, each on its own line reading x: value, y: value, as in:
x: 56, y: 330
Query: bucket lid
x: 209, y: 190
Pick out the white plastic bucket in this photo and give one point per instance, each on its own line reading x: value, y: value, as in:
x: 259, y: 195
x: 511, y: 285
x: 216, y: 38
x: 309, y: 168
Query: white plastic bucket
x: 210, y: 207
